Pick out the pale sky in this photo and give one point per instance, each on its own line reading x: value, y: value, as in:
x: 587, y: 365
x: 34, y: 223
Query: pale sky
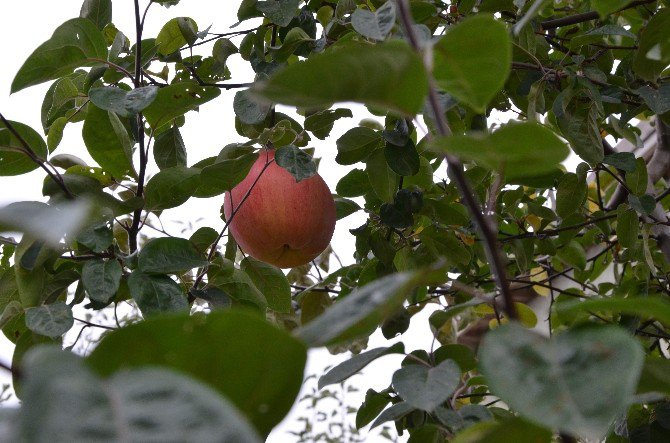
x: 28, y: 23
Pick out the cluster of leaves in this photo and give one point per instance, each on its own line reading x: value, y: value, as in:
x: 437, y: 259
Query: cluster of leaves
x: 594, y: 242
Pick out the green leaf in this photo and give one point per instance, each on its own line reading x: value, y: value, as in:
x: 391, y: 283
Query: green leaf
x: 292, y: 41
x: 582, y: 130
x: 223, y: 48
x: 395, y: 412
x: 13, y: 160
x: 570, y: 194
x: 175, y: 34
x: 637, y: 179
x: 249, y: 109
x: 356, y: 145
x: 519, y: 149
x: 169, y: 149
x: 573, y: 254
x: 655, y: 376
x: 171, y: 187
x: 296, y: 161
x: 403, y: 160
x: 101, y: 279
x: 230, y: 168
x: 345, y: 207
x: 354, y: 184
x: 382, y: 179
x: 356, y: 363
x: 321, y: 123
x: 98, y: 11
x: 50, y: 320
x: 256, y: 366
x: 426, y: 388
x: 473, y: 60
x: 279, y: 12
x: 108, y: 141
x: 46, y: 222
x: 563, y: 378
x: 658, y: 99
x: 515, y: 430
x: 361, y: 311
x: 374, y: 403
x: 71, y: 403
x: 55, y: 135
x: 627, y: 228
x: 606, y: 7
x: 236, y: 283
x: 270, y: 281
x: 389, y: 76
x: 374, y: 25
x: 156, y: 294
x: 621, y: 160
x: 647, y: 307
x: 73, y: 44
x: 176, y: 100
x: 123, y: 103
x: 653, y: 52
x: 169, y: 255
x: 247, y: 10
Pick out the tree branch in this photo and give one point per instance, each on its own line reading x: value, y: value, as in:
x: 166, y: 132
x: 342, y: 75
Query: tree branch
x: 457, y: 173
x: 586, y: 16
x: 27, y: 150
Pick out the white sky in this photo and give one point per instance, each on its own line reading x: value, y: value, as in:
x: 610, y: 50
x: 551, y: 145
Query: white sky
x: 28, y: 23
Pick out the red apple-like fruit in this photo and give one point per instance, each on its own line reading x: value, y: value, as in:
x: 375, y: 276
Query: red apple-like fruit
x: 282, y: 222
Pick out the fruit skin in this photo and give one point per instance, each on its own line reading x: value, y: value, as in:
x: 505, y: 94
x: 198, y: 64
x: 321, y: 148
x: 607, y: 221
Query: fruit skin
x: 282, y: 222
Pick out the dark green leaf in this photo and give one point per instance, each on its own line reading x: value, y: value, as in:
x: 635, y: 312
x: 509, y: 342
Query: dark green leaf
x: 156, y: 294
x: 101, y: 279
x: 651, y: 307
x: 621, y: 160
x: 171, y: 187
x: 169, y: 149
x: 50, y: 320
x: 73, y: 44
x: 565, y: 393
x: 356, y: 145
x: 644, y: 204
x: 658, y: 100
x: 382, y: 179
x: 254, y: 365
x: 249, y: 109
x: 297, y: 162
x: 403, y: 160
x: 13, y: 160
x: 73, y: 404
x: 108, y: 141
x: 570, y: 194
x: 123, y: 103
x: 519, y: 149
x: 345, y: 207
x: 375, y: 25
x: 230, y: 168
x: 427, y: 388
x: 354, y: 184
x: 395, y: 412
x: 236, y: 283
x: 176, y: 100
x: 473, y: 60
x: 515, y: 430
x: 606, y: 7
x: 271, y: 282
x: 98, y: 11
x: 637, y: 179
x: 653, y: 52
x: 169, y: 255
x: 389, y: 76
x: 356, y: 363
x: 280, y: 12
x: 321, y: 123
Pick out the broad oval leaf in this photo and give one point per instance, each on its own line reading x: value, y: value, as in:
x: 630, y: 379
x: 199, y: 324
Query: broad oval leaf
x: 169, y: 255
x: 249, y: 109
x: 256, y: 366
x: 296, y: 161
x: 156, y: 294
x: 169, y: 149
x: 98, y: 11
x: 176, y: 33
x: 280, y: 12
x: 427, y: 388
x: 389, y: 76
x: 375, y: 25
x: 356, y: 145
x: 73, y: 44
x: 228, y: 170
x: 13, y: 161
x: 101, y: 279
x: 563, y: 378
x: 123, y: 103
x: 171, y: 187
x: 71, y: 403
x: 108, y: 141
x: 271, y: 281
x: 51, y: 320
x: 176, y: 100
x: 472, y: 61
x: 519, y: 149
x: 653, y: 52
